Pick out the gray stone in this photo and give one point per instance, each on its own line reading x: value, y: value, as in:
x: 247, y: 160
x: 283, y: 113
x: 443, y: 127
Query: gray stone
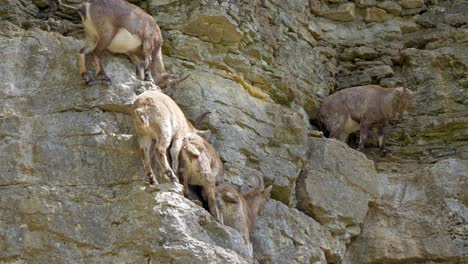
x: 438, y: 193
x: 125, y: 223
x: 156, y: 3
x: 71, y: 176
x: 336, y: 1
x: 410, y: 4
x: 343, y: 12
x: 354, y: 181
x: 270, y: 147
x: 355, y: 79
x: 390, y: 82
x: 379, y: 72
x: 374, y: 14
x: 390, y: 6
x: 296, y: 238
x: 365, y: 3
x: 213, y: 28
x: 412, y: 11
x: 363, y: 52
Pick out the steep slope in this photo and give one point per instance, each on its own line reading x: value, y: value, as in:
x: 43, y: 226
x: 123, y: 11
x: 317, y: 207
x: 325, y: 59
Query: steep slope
x: 71, y: 188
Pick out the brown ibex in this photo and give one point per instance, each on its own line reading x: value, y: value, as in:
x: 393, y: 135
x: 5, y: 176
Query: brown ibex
x: 158, y: 118
x: 201, y: 166
x: 361, y: 108
x: 121, y: 27
x: 240, y: 210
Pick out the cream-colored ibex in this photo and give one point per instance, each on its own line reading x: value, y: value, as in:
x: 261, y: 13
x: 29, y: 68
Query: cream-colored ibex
x: 200, y: 165
x: 158, y: 118
x: 361, y: 108
x: 240, y: 210
x: 121, y: 27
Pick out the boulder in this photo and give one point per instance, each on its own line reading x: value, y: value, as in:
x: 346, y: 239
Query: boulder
x: 410, y: 4
x: 336, y: 186
x: 343, y: 12
x: 285, y: 235
x: 418, y: 216
x: 374, y: 14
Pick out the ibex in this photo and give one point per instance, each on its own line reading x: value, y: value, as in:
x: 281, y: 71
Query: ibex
x: 158, y: 118
x: 240, y: 210
x: 361, y: 108
x: 200, y: 165
x: 121, y: 27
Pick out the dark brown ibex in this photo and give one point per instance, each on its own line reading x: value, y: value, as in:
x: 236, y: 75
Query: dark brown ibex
x: 121, y: 27
x: 158, y: 118
x: 240, y: 210
x: 361, y: 108
x: 201, y: 166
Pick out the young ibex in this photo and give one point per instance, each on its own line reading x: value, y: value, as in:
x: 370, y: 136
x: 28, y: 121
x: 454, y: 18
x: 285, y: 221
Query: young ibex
x: 361, y: 108
x: 200, y: 165
x: 121, y: 27
x: 240, y: 210
x: 157, y: 117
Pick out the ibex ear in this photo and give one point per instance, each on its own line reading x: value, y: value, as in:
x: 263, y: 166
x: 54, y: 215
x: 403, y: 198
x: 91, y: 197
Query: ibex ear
x: 267, y: 191
x: 192, y: 149
x: 230, y: 197
x: 400, y: 90
x: 204, y: 134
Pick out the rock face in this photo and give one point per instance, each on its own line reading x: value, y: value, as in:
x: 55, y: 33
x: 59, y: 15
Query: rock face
x: 336, y: 186
x: 285, y: 235
x: 430, y: 203
x: 71, y: 181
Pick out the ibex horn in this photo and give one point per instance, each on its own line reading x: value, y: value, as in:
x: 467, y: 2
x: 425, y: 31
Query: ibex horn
x: 176, y: 81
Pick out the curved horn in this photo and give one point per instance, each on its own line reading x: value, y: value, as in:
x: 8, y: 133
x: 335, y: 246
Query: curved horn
x: 200, y: 118
x: 176, y: 81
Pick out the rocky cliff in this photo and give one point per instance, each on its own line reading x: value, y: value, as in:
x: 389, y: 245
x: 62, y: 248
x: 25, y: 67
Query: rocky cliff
x: 71, y: 181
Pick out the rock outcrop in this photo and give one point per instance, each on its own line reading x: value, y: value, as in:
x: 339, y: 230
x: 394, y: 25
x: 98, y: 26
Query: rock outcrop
x: 336, y: 186
x: 71, y: 181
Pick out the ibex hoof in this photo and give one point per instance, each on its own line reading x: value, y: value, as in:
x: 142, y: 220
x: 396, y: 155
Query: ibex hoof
x: 92, y: 82
x: 106, y: 80
x: 172, y: 176
x: 148, y: 78
x: 152, y: 180
x: 386, y: 151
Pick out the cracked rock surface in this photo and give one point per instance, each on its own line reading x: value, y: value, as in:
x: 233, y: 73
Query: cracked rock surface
x: 71, y: 179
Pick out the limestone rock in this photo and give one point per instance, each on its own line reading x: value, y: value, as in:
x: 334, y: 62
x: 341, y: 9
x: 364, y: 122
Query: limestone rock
x: 365, y: 3
x: 413, y: 11
x: 393, y: 229
x: 380, y: 72
x: 363, y: 52
x: 343, y: 12
x: 252, y: 56
x: 410, y: 4
x: 350, y: 80
x: 74, y: 175
x: 252, y: 136
x: 155, y: 3
x: 105, y: 224
x: 71, y: 176
x: 354, y: 180
x: 430, y: 120
x: 213, y: 28
x: 375, y: 14
x: 296, y: 238
x: 336, y: 1
x: 390, y: 6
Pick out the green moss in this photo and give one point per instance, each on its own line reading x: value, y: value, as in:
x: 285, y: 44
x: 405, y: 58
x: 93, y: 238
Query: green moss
x: 281, y: 193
